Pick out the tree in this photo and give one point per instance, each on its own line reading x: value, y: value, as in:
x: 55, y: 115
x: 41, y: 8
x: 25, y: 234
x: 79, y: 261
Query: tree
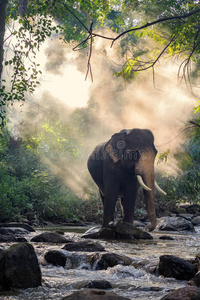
x: 3, y: 4
x: 172, y: 25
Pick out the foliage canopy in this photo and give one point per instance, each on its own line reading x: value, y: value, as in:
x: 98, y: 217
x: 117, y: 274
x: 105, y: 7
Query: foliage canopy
x: 171, y: 28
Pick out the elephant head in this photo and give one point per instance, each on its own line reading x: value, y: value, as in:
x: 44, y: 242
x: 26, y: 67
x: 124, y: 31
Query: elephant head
x: 134, y: 150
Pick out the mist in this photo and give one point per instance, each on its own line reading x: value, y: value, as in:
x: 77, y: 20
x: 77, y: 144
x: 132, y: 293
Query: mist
x: 164, y: 108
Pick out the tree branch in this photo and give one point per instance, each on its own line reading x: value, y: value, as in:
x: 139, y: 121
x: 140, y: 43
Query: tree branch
x: 156, y: 22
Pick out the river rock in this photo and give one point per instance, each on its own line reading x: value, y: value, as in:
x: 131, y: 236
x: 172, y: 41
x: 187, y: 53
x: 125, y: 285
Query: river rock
x: 193, y: 209
x: 180, y: 210
x: 174, y: 224
x: 196, y: 221
x: 7, y: 238
x: 50, y: 237
x: 99, y: 284
x: 93, y: 294
x: 119, y: 230
x: 13, y: 230
x: 19, y: 267
x: 86, y: 246
x: 56, y: 258
x: 18, y: 225
x: 185, y: 293
x: 196, y: 279
x: 93, y: 261
x: 92, y: 233
x: 71, y: 260
x: 186, y: 216
x: 172, y: 266
x: 107, y: 260
x: 125, y: 230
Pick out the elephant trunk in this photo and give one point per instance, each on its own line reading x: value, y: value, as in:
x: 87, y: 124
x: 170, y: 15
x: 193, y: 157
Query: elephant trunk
x: 149, y: 198
x: 145, y: 168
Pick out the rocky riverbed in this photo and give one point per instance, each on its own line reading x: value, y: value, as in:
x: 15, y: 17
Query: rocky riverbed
x: 64, y: 263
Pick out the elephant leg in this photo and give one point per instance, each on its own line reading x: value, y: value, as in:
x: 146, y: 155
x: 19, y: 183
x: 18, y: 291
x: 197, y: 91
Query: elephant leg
x: 122, y: 206
x: 102, y: 196
x: 129, y: 204
x: 110, y: 199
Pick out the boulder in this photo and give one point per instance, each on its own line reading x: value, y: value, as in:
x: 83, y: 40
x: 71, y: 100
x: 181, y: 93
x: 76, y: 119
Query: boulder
x: 93, y: 294
x: 193, y: 209
x: 196, y: 279
x: 7, y: 238
x: 18, y: 225
x: 174, y: 224
x: 50, y: 237
x: 196, y: 221
x: 92, y: 233
x: 107, y: 260
x: 180, y: 210
x: 56, y: 258
x: 186, y: 293
x: 125, y: 230
x: 120, y: 230
x: 13, y: 230
x: 172, y: 266
x: 70, y: 260
x: 86, y: 246
x: 186, y: 216
x: 95, y: 261
x: 19, y: 267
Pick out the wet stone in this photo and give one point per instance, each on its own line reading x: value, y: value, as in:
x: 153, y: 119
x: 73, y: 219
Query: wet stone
x: 7, y: 238
x: 19, y: 267
x: 185, y: 293
x: 174, y: 224
x: 18, y: 225
x: 119, y: 231
x: 85, y: 246
x: 50, y: 237
x: 13, y: 230
x: 196, y: 221
x: 172, y: 266
x: 107, y: 260
x: 56, y: 258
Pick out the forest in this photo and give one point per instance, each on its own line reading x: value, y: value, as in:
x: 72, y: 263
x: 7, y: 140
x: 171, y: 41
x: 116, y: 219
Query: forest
x: 72, y: 73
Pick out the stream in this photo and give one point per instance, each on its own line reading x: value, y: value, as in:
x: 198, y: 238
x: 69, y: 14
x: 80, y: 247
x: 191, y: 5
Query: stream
x: 133, y: 282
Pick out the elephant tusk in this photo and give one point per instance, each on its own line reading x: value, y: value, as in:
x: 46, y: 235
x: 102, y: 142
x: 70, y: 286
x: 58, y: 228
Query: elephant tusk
x: 159, y: 189
x: 141, y: 182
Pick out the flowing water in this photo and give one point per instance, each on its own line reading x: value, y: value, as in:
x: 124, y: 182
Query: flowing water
x: 133, y: 282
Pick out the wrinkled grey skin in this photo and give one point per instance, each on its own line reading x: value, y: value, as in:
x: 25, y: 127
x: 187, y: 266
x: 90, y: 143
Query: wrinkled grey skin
x: 114, y: 166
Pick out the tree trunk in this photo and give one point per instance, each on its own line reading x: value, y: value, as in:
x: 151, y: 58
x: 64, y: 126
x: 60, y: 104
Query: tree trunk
x: 3, y: 4
x: 22, y: 6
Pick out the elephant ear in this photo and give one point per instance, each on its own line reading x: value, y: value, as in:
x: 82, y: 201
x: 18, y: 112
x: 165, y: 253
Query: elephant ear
x: 112, y: 153
x: 116, y: 146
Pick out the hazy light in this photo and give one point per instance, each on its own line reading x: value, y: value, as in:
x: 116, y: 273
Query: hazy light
x: 68, y: 85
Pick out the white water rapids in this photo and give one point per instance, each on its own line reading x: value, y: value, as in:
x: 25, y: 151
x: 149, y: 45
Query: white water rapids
x: 133, y: 282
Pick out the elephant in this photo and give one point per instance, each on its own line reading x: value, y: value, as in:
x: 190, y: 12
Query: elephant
x: 117, y: 166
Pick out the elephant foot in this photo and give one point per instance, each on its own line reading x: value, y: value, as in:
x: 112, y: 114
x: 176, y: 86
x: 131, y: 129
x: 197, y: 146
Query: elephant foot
x: 150, y: 227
